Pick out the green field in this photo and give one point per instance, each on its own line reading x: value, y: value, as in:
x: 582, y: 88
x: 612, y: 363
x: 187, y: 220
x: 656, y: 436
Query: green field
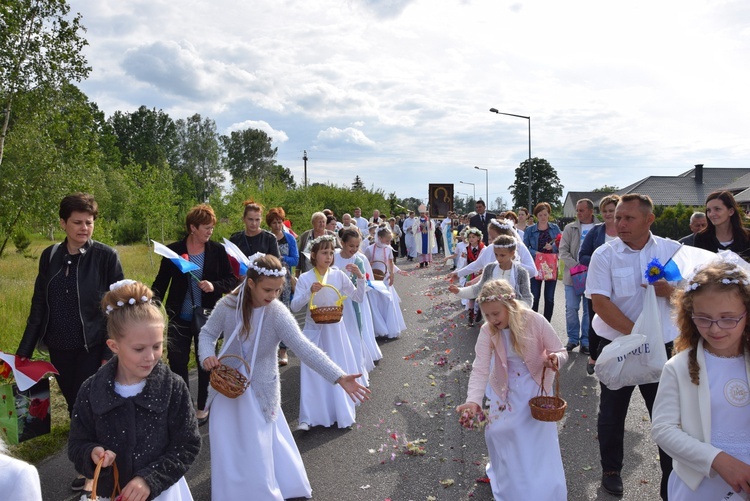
x: 17, y: 275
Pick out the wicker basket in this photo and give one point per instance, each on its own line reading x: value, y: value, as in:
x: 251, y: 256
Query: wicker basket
x: 327, y: 314
x: 378, y: 274
x: 115, y: 478
x: 229, y: 381
x: 548, y: 407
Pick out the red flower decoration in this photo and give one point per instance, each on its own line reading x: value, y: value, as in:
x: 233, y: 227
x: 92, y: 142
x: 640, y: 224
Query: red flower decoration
x: 5, y: 369
x: 185, y: 257
x: 39, y: 408
x: 558, y: 238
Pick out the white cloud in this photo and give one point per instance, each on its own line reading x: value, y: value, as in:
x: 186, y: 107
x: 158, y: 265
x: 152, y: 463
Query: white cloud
x: 623, y: 91
x: 350, y: 135
x: 278, y: 136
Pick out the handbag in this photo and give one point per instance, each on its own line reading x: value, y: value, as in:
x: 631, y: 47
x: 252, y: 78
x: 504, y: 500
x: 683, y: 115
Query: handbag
x: 115, y: 490
x: 637, y: 358
x: 546, y: 265
x: 578, y: 274
x: 200, y: 316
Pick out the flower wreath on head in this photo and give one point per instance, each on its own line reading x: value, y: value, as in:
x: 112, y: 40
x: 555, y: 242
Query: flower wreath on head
x: 122, y: 283
x: 512, y: 245
x: 264, y: 271
x: 737, y: 275
x: 322, y: 238
x: 497, y: 297
x: 503, y: 224
x: 473, y: 231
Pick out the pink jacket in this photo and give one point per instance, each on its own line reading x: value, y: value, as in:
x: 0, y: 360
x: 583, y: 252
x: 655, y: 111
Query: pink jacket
x: 540, y: 340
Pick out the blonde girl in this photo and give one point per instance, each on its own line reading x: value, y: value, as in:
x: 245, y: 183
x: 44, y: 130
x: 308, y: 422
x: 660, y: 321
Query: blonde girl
x: 135, y: 410
x: 322, y: 404
x: 252, y: 448
x: 514, y: 345
x: 701, y: 414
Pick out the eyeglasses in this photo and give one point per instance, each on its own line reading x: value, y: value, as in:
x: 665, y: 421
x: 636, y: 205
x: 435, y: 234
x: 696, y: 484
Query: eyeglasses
x: 723, y: 323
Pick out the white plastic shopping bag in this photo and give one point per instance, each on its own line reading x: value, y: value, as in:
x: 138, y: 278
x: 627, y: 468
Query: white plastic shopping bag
x: 639, y: 357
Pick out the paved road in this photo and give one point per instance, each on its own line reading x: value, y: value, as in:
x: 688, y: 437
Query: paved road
x: 421, y: 378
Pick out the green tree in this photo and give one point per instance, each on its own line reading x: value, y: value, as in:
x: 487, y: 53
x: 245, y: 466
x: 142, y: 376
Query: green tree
x: 545, y: 184
x: 199, y: 155
x: 249, y: 155
x: 145, y: 136
x: 40, y: 47
x: 53, y: 149
x: 358, y: 185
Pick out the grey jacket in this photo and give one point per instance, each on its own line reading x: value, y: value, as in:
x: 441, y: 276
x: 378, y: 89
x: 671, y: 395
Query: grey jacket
x: 522, y: 285
x: 278, y: 325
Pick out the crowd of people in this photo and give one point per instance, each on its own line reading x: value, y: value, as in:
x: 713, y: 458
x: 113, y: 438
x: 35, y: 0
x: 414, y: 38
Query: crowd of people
x: 131, y: 409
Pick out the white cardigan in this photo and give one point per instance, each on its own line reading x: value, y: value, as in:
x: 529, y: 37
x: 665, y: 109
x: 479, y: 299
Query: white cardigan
x: 681, y: 423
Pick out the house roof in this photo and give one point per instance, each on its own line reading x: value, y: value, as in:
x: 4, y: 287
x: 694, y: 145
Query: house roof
x: 671, y: 190
x: 740, y: 184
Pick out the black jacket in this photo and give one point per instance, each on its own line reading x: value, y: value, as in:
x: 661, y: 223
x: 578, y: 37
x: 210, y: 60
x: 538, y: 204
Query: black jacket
x: 98, y: 268
x: 154, y: 434
x: 476, y: 222
x: 708, y: 241
x: 216, y: 269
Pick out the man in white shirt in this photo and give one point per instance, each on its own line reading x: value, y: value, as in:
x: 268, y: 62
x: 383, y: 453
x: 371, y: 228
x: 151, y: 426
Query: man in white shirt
x: 362, y: 223
x: 615, y: 284
x: 572, y: 238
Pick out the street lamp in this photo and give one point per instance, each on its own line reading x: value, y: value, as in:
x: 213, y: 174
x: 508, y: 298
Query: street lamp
x: 462, y: 193
x: 494, y: 110
x: 486, y: 185
x: 473, y: 186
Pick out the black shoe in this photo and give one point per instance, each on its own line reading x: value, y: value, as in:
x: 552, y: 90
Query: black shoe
x: 571, y: 346
x: 590, y: 368
x: 78, y: 483
x: 584, y: 350
x: 612, y: 482
x: 478, y: 317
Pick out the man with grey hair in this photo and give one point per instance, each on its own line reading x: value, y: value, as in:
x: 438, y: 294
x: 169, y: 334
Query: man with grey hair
x: 698, y: 223
x: 572, y: 238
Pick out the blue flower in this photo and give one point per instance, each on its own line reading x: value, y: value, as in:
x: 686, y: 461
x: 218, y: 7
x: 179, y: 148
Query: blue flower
x: 654, y: 271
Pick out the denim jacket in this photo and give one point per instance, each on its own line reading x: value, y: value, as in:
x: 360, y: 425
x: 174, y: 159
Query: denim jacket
x: 531, y: 238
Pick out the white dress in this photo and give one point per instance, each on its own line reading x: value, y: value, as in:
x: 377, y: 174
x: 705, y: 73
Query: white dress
x: 368, y: 328
x: 525, y: 461
x: 322, y: 403
x: 730, y: 426
x: 387, y: 318
x: 247, y: 451
x: 353, y: 316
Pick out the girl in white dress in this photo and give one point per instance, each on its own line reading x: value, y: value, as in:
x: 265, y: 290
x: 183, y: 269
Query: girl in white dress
x: 320, y: 402
x: 253, y: 453
x: 363, y: 338
x: 387, y: 316
x: 701, y: 414
x: 525, y: 460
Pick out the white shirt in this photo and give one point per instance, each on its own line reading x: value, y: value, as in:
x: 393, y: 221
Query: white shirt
x: 617, y: 272
x: 19, y: 480
x: 362, y: 224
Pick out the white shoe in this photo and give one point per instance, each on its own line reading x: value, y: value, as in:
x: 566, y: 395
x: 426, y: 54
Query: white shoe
x: 303, y: 427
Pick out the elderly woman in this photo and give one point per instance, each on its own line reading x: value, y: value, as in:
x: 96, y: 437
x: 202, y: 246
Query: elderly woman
x: 318, y: 221
x: 254, y: 238
x: 541, y: 238
x: 192, y: 293
x: 66, y: 316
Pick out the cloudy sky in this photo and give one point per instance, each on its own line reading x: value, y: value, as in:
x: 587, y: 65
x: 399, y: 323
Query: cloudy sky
x: 398, y: 91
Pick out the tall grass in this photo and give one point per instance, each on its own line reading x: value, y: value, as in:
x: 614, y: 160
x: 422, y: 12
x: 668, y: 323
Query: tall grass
x: 17, y: 276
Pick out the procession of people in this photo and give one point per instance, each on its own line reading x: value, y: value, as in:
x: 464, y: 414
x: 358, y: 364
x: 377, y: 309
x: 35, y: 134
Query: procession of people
x: 131, y: 408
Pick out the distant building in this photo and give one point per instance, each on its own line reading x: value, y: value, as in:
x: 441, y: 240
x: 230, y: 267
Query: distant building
x: 690, y: 188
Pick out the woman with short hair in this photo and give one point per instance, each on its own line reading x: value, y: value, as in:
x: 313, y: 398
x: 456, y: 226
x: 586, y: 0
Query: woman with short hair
x: 196, y: 290
x: 318, y: 221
